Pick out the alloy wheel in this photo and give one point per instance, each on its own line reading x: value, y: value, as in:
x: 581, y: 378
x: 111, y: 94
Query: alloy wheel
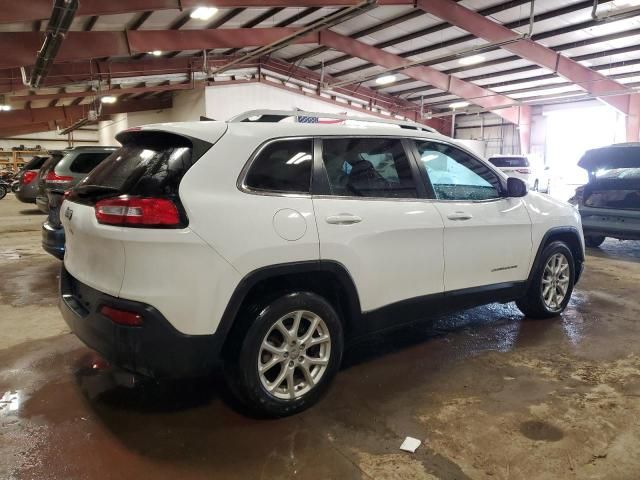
x: 555, y: 281
x: 294, y: 355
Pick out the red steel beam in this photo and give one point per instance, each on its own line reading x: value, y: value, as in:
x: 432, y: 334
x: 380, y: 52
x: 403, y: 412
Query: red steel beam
x: 502, y: 105
x: 480, y: 26
x: 20, y: 48
x: 12, y: 11
x: 114, y: 91
x: 74, y: 113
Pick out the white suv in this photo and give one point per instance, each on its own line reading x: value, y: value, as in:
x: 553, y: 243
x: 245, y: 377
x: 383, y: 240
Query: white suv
x: 271, y: 245
x: 520, y: 166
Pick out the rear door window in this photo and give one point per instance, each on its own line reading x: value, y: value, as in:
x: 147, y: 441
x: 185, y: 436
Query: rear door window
x: 368, y: 167
x: 85, y: 162
x: 509, y: 162
x: 282, y: 166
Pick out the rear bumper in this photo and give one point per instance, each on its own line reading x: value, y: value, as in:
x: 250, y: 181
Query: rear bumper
x: 622, y: 224
x: 53, y: 240
x: 155, y: 349
x: 26, y: 194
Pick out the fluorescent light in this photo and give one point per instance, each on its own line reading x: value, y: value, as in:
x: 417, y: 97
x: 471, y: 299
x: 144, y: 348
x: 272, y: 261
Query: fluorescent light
x: 5, y: 108
x: 455, y: 105
x: 386, y: 79
x: 109, y: 99
x: 204, y: 13
x: 156, y: 53
x: 473, y: 59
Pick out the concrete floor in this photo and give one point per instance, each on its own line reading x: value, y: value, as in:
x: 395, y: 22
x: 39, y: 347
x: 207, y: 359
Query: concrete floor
x: 491, y: 394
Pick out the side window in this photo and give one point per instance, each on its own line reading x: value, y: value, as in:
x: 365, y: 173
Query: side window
x: 456, y: 175
x: 282, y: 166
x: 85, y: 162
x: 368, y: 167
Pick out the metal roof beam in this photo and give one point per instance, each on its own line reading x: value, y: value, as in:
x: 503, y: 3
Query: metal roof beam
x: 21, y: 46
x: 480, y: 26
x: 504, y: 106
x: 12, y: 11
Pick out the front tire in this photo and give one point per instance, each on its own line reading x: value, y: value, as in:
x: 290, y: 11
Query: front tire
x: 551, y: 283
x: 593, y: 241
x: 289, y: 355
x: 3, y: 191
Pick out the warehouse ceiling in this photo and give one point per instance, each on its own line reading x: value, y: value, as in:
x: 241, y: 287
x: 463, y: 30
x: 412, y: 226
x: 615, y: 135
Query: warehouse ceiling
x: 399, y: 57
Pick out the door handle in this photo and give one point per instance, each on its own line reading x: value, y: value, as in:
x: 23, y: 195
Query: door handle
x: 459, y: 216
x: 343, y: 219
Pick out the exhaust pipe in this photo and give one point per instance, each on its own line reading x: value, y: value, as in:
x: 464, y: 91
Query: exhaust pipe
x: 64, y: 12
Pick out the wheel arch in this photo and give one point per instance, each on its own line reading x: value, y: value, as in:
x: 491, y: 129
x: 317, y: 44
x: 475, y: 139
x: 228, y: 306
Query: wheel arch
x: 328, y: 279
x: 567, y: 235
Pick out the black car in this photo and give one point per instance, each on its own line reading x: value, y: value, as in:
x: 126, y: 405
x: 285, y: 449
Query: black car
x: 610, y: 203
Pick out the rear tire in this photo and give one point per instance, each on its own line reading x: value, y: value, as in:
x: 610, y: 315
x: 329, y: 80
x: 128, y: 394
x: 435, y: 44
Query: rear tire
x: 3, y: 191
x: 551, y: 283
x: 282, y: 366
x: 594, y: 241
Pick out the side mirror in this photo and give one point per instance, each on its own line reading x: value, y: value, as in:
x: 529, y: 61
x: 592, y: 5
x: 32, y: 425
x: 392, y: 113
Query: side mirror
x: 516, y: 187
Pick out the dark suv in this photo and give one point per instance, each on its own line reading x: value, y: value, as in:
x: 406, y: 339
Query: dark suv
x: 27, y: 179
x: 610, y: 203
x: 58, y: 174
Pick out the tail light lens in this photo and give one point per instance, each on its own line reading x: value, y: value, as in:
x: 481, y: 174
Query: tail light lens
x: 54, y: 178
x: 137, y: 211
x: 523, y: 170
x: 122, y: 317
x: 28, y: 177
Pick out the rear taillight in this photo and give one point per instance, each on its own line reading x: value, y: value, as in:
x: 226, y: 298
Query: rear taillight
x: 28, y: 177
x: 523, y: 170
x: 122, y: 317
x: 136, y: 211
x: 53, y: 178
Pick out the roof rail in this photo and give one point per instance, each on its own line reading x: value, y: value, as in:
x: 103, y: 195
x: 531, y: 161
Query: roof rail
x: 273, y: 116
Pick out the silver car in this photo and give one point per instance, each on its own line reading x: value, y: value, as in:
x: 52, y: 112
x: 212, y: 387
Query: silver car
x: 28, y: 179
x: 56, y: 176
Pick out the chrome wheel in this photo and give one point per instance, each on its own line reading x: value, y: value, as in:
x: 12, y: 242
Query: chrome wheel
x: 294, y: 355
x: 555, y: 281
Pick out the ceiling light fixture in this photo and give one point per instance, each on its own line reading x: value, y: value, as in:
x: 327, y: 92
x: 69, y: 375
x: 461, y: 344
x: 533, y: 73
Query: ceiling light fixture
x: 156, y: 53
x: 472, y: 60
x: 5, y: 108
x: 109, y: 99
x: 455, y: 105
x: 386, y: 79
x: 204, y: 13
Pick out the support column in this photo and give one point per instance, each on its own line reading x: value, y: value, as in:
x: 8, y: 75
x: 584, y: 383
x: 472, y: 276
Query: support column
x: 524, y: 129
x: 633, y: 119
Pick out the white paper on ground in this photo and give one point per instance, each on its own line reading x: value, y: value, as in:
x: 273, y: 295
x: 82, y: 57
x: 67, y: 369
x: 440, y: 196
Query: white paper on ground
x: 410, y: 444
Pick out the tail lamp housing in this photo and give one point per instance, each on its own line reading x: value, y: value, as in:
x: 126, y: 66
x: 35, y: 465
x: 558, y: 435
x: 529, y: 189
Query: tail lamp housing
x: 28, y: 177
x: 129, y: 211
x: 53, y: 178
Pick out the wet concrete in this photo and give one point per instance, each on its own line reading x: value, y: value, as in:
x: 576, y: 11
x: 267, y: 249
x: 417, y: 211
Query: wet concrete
x: 491, y: 394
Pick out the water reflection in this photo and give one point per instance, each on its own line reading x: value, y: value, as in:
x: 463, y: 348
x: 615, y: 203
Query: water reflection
x: 10, y: 403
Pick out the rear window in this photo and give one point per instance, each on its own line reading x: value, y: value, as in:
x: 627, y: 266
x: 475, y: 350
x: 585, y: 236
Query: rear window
x: 509, y: 162
x: 85, y: 162
x: 148, y: 164
x: 35, y: 163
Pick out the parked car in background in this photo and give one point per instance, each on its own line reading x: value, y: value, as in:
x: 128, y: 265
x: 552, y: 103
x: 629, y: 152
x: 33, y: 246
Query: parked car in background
x: 268, y: 245
x: 520, y: 166
x: 27, y: 180
x: 58, y: 175
x: 610, y: 202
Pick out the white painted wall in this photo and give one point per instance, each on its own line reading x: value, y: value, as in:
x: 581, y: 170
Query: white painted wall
x: 223, y: 102
x: 49, y: 140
